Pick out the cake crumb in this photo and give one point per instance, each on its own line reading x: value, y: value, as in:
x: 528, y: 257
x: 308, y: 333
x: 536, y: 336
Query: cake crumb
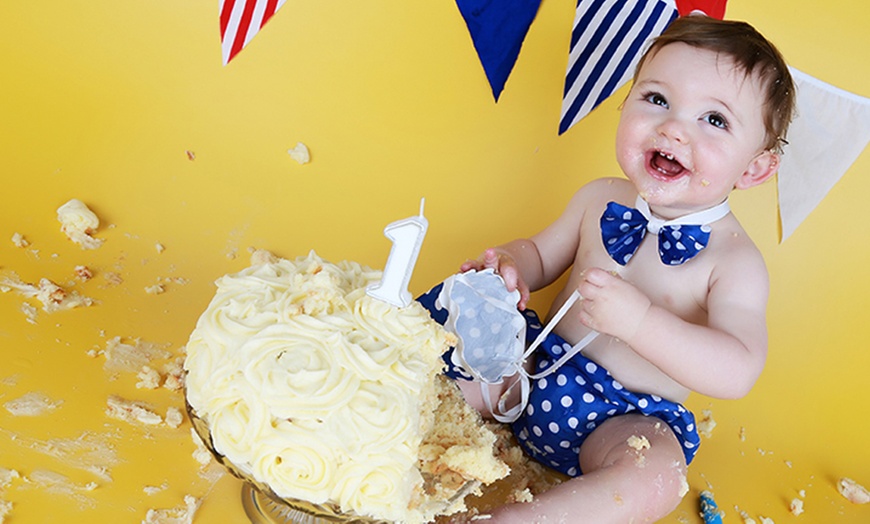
x: 174, y: 375
x: 638, y: 442
x: 57, y: 483
x: 746, y: 518
x: 201, y: 454
x: 174, y: 418
x: 19, y: 240
x: 854, y: 492
x: 262, y: 256
x: 300, y: 153
x: 156, y: 289
x: 32, y: 405
x: 178, y: 515
x: 7, y: 476
x: 131, y: 357
x: 149, y: 378
x: 159, y: 247
x: 190, y: 155
x: 88, y: 452
x: 78, y: 223
x: 706, y: 424
x: 5, y: 510
x: 684, y: 486
x: 50, y: 294
x: 796, y: 507
x: 112, y: 278
x: 83, y: 273
x: 30, y: 312
x: 53, y: 297
x: 131, y: 411
x: 153, y: 490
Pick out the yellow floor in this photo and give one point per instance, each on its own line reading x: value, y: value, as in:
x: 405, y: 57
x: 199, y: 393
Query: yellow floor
x: 131, y: 111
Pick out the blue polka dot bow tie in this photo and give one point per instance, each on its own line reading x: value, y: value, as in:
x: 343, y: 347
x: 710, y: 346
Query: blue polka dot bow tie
x: 623, y: 228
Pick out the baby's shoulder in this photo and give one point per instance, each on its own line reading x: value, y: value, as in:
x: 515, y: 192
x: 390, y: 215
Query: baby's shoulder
x: 733, y: 249
x: 607, y: 189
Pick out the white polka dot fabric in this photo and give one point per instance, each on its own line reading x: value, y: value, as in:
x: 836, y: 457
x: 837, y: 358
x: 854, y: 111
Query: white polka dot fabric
x: 484, y: 315
x: 565, y: 407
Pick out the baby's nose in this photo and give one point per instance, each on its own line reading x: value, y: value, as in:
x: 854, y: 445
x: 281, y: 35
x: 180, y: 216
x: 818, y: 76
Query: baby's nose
x: 675, y: 130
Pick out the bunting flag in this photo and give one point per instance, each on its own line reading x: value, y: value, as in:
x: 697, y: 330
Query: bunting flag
x: 497, y: 30
x: 241, y: 20
x: 607, y: 42
x: 829, y: 132
x: 711, y: 8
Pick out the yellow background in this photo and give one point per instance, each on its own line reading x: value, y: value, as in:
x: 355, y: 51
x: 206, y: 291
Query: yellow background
x: 101, y: 100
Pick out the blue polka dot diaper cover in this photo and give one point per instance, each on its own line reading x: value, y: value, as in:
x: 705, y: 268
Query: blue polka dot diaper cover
x: 566, y: 406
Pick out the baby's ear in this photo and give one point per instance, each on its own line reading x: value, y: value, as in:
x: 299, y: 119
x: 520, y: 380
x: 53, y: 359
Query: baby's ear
x: 762, y: 167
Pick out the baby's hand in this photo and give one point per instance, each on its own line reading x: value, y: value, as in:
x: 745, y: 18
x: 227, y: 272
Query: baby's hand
x: 611, y: 305
x: 504, y: 265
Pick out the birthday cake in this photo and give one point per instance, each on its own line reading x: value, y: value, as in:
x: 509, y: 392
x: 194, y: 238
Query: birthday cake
x: 318, y: 393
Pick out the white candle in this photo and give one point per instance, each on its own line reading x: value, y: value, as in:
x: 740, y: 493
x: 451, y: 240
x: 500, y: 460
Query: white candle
x: 407, y: 238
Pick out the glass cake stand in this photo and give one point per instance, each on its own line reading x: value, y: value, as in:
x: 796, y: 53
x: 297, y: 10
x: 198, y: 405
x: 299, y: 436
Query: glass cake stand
x: 262, y: 505
x: 263, y: 509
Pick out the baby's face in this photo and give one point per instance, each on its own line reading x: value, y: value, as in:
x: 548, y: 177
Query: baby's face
x: 690, y: 130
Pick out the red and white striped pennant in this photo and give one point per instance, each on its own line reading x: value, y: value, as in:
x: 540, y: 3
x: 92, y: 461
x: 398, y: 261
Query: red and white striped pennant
x: 241, y: 20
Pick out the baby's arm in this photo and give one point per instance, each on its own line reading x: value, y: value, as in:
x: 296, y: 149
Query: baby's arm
x: 721, y: 359
x: 528, y: 264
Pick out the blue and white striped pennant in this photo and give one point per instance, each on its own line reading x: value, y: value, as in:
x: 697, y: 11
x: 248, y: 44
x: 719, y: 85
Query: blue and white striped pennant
x: 607, y: 41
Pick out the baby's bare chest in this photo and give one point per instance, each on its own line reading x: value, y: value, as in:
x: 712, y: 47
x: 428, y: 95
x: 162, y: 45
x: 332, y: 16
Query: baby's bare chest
x: 680, y: 289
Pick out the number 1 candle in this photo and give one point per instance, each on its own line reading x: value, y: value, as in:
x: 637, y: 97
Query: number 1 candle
x: 407, y: 238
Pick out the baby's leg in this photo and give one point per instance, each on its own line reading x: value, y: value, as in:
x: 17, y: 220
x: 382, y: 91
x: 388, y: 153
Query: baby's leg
x: 473, y: 394
x: 645, y: 482
x: 624, y: 480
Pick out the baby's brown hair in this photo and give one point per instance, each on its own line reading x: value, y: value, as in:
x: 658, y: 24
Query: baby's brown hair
x: 751, y: 52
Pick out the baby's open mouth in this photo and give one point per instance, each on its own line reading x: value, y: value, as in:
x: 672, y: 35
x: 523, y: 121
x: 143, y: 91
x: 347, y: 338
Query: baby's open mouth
x: 666, y: 164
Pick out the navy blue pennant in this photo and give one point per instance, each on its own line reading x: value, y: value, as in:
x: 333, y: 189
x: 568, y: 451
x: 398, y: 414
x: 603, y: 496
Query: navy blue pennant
x: 498, y: 28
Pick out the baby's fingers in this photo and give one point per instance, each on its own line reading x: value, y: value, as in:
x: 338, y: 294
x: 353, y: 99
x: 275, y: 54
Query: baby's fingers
x: 598, y: 277
x: 588, y: 287
x: 490, y: 259
x: 469, y: 264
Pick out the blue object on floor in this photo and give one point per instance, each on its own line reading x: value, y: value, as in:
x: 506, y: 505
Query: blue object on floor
x: 709, y: 509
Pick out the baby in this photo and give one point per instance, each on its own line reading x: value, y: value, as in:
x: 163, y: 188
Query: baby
x: 667, y: 276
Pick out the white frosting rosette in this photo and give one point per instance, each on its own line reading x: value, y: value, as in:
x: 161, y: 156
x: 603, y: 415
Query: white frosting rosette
x: 313, y: 388
x: 378, y: 482
x: 243, y: 419
x: 379, y: 419
x: 295, y: 465
x: 292, y: 368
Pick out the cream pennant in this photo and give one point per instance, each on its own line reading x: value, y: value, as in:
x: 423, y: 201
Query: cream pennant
x: 829, y: 132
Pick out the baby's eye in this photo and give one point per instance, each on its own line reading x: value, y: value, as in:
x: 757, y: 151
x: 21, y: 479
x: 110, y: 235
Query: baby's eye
x: 656, y: 99
x: 717, y: 120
